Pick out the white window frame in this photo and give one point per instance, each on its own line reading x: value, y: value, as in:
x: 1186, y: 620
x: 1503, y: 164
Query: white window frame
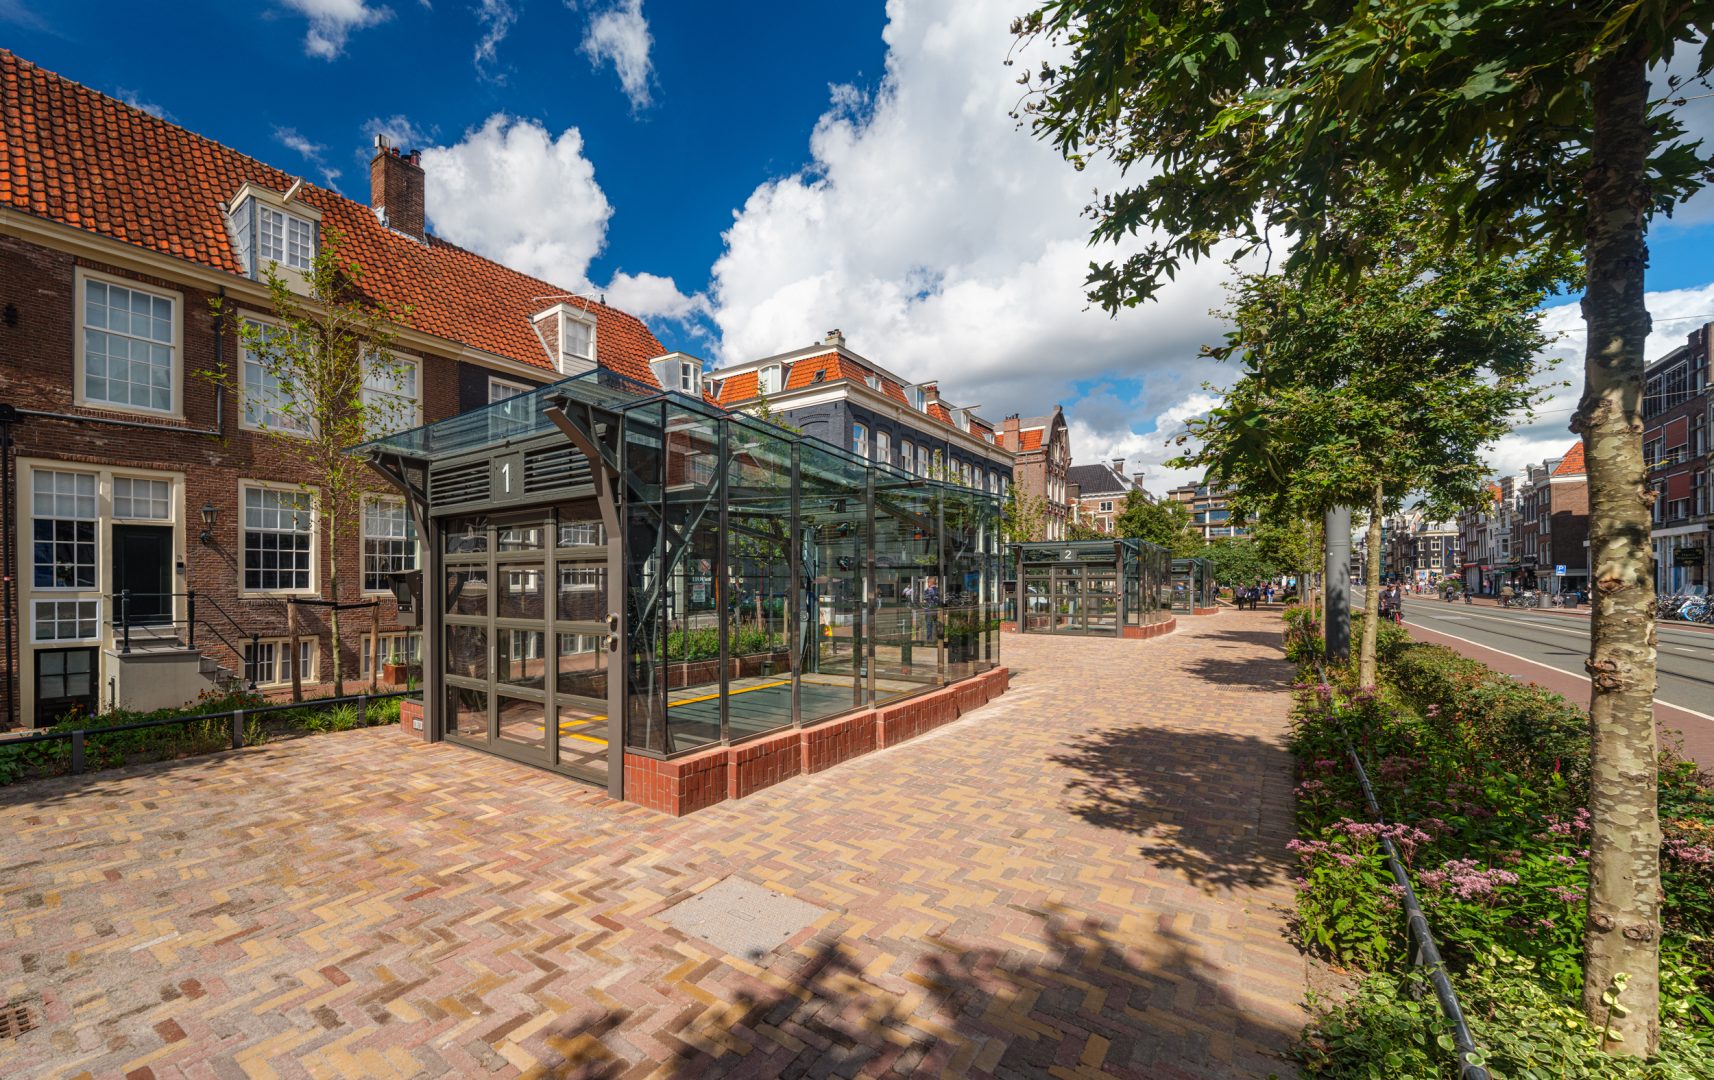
x: 288, y: 219
x: 569, y: 317
x: 286, y: 426
x: 393, y: 643
x: 61, y: 597
x: 113, y: 500
x: 309, y: 649
x: 860, y: 439
x: 314, y: 587
x: 515, y: 388
x: 95, y: 563
x: 80, y: 316
x: 406, y: 418
x: 413, y: 546
x: 769, y: 379
x: 883, y: 447
x: 688, y: 377
x: 907, y: 455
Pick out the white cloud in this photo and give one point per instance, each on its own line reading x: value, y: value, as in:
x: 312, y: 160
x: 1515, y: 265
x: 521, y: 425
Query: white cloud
x: 399, y: 130
x: 651, y: 296
x: 496, y: 18
x: 135, y: 100
x: 621, y: 35
x: 332, y: 21
x: 312, y: 152
x: 520, y: 196
x: 949, y: 244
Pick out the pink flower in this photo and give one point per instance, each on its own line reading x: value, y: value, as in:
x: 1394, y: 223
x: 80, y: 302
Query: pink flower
x: 1687, y: 852
x: 1567, y: 896
x: 1465, y: 879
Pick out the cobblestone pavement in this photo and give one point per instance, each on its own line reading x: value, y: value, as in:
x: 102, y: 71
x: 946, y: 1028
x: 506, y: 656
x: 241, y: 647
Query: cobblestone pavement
x: 1084, y: 878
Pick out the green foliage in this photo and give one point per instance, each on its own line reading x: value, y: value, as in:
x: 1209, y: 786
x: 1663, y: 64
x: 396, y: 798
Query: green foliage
x: 112, y: 749
x: 1391, y: 1027
x: 704, y: 643
x: 1305, y: 640
x: 1487, y: 779
x: 1240, y: 562
x: 1023, y: 517
x: 1165, y: 522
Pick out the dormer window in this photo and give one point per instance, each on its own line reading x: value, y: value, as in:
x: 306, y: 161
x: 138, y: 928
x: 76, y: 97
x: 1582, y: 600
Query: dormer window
x: 873, y: 380
x: 687, y: 377
x: 768, y: 379
x: 579, y: 345
x: 919, y: 399
x: 269, y: 229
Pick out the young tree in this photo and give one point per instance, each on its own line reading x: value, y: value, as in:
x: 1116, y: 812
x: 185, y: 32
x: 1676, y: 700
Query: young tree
x: 319, y: 377
x: 1246, y: 118
x: 1023, y: 517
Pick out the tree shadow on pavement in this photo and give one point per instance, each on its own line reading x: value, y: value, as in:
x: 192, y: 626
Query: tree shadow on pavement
x: 1088, y: 1003
x: 1198, y: 800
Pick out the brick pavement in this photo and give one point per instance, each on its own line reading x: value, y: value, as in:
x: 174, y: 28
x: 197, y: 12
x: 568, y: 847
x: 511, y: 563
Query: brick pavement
x: 1084, y: 878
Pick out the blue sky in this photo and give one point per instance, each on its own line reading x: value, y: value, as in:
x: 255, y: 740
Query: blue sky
x: 743, y: 176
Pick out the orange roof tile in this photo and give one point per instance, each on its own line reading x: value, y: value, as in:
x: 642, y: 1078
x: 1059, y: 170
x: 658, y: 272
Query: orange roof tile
x: 1030, y: 440
x: 739, y: 387
x: 1572, y: 463
x: 71, y: 155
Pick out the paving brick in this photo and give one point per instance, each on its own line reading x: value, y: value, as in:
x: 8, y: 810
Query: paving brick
x: 1085, y: 876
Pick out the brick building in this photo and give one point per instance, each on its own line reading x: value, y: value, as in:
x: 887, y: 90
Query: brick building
x: 1676, y: 422
x: 132, y: 472
x: 1041, y: 449
x: 838, y: 396
x: 1551, y: 526
x: 1485, y: 539
x: 1098, y: 493
x: 1210, y: 511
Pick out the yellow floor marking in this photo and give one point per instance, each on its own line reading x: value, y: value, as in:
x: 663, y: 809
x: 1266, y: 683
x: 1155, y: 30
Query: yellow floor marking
x: 566, y: 725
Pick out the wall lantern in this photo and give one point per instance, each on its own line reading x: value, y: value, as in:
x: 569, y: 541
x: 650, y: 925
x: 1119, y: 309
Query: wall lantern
x: 209, y: 513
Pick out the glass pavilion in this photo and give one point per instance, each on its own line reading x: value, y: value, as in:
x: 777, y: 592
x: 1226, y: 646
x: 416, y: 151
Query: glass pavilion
x: 610, y: 569
x: 1101, y: 587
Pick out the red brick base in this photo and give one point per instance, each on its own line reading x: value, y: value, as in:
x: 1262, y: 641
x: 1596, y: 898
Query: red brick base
x: 684, y: 785
x: 1205, y: 611
x: 411, y: 720
x: 1151, y: 630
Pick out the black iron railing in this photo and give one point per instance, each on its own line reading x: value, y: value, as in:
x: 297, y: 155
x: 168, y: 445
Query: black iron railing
x: 154, y: 612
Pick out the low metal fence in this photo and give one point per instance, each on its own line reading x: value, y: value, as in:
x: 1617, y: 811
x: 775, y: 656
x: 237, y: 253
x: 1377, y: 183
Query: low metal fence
x: 238, y: 719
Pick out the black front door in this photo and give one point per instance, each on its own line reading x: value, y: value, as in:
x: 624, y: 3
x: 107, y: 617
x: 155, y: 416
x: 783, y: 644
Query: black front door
x: 143, y: 563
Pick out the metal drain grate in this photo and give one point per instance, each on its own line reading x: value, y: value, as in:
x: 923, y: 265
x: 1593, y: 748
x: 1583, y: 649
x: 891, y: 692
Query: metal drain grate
x: 16, y: 1018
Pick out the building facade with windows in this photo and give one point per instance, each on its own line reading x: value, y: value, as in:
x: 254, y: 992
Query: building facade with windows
x: 1550, y: 528
x: 1098, y: 493
x: 1041, y: 446
x: 1210, y: 509
x: 1485, y: 540
x: 1678, y: 416
x: 831, y: 393
x: 136, y: 479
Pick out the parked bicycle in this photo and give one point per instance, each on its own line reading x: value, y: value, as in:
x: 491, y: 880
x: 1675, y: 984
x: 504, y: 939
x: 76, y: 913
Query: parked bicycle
x: 1684, y: 607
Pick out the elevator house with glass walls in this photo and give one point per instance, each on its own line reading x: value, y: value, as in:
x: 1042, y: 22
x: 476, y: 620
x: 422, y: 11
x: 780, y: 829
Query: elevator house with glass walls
x: 1105, y: 588
x: 615, y: 572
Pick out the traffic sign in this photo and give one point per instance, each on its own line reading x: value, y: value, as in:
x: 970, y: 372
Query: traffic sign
x: 1559, y: 569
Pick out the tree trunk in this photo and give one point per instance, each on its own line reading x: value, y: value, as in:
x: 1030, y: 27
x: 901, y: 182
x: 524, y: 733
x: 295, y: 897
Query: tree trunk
x: 292, y: 644
x: 1368, y: 671
x: 333, y: 587
x: 1621, y: 976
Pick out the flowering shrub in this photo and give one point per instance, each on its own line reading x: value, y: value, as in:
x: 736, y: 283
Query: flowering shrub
x: 1489, y: 777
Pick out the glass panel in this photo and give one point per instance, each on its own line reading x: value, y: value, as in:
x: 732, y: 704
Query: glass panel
x: 907, y: 563
x: 758, y: 578
x: 519, y: 538
x: 467, y: 712
x: 521, y: 722
x: 467, y: 651
x: 522, y: 591
x: 466, y: 538
x: 520, y: 658
x: 961, y: 591
x: 692, y: 512
x: 645, y: 676
x: 582, y: 592
x: 833, y: 528
x: 467, y: 590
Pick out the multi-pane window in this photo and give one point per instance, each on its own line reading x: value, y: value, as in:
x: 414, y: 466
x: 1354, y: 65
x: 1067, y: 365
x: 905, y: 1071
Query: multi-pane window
x: 907, y: 455
x: 883, y: 448
x: 127, y: 347
x: 687, y: 377
x: 67, y: 620
x: 581, y: 534
x: 860, y: 440
x: 278, y: 533
x: 922, y: 461
x: 268, y: 396
x: 389, y: 542
x: 284, y: 238
x: 389, y: 394
x: 64, y: 530
x: 143, y: 500
x: 270, y: 662
x: 510, y: 419
x: 768, y: 380
x: 401, y: 648
x: 579, y: 340
x: 579, y: 578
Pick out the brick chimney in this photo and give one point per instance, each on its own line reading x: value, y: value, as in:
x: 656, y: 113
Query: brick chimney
x: 1119, y: 465
x: 835, y: 338
x: 396, y: 187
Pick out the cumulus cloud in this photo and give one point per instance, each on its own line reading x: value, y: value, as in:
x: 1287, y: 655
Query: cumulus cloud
x: 620, y: 36
x: 332, y: 21
x: 495, y: 17
x: 948, y: 244
x: 528, y: 199
x: 135, y: 100
x: 399, y: 131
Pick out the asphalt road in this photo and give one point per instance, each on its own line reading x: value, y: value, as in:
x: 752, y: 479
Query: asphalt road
x: 1561, y: 641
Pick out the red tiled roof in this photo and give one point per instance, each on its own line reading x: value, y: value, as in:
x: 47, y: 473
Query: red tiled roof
x: 1030, y: 440
x: 739, y: 387
x: 1572, y: 463
x: 80, y: 158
